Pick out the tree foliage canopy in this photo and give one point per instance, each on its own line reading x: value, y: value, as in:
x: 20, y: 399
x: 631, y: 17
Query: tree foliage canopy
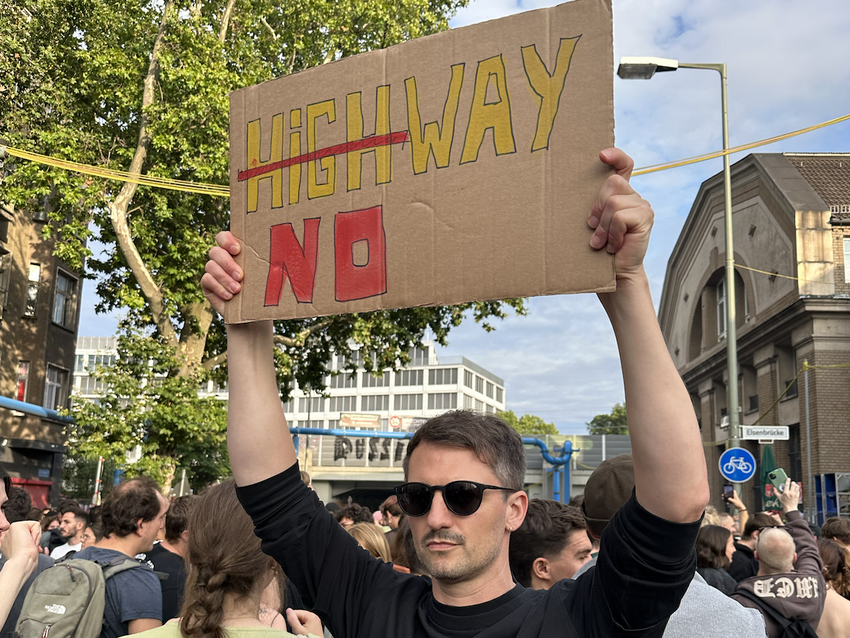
x: 142, y: 86
x: 614, y: 423
x: 528, y: 424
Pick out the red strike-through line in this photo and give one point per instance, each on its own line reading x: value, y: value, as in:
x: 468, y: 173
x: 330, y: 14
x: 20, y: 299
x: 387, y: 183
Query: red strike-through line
x: 339, y: 149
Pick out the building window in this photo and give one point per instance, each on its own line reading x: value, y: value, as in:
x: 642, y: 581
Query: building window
x: 442, y: 401
x: 370, y: 381
x: 375, y: 403
x: 289, y: 406
x: 500, y: 394
x: 479, y: 405
x: 311, y: 404
x: 344, y: 380
x: 442, y: 376
x: 409, y: 377
x: 479, y: 385
x: 847, y: 260
x: 468, y: 378
x: 33, y: 280
x: 721, y: 309
x: 63, y: 302
x: 23, y: 379
x: 468, y: 402
x: 55, y: 388
x: 343, y: 404
x: 418, y: 356
x: 489, y: 390
x: 5, y: 277
x: 407, y: 402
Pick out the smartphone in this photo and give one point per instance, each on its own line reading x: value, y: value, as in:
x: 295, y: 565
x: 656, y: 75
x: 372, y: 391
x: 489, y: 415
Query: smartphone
x: 728, y: 491
x: 778, y: 478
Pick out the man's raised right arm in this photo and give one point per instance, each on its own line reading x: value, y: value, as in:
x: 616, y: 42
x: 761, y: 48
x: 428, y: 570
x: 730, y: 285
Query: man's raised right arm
x: 258, y: 438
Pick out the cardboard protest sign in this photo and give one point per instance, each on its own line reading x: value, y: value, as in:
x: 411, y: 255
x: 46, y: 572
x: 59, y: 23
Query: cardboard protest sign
x: 452, y: 168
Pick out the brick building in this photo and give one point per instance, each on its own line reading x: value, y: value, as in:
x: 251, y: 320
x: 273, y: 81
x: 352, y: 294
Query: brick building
x: 791, y: 220
x: 39, y: 316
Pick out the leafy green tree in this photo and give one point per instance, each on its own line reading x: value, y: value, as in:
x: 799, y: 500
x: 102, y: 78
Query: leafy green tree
x: 142, y: 86
x: 528, y: 424
x: 614, y: 423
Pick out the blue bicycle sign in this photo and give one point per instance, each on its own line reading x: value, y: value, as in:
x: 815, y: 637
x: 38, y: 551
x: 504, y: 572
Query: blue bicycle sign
x: 737, y: 465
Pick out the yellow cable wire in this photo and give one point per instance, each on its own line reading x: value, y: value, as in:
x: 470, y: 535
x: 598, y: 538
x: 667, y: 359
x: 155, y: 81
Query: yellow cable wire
x: 744, y: 147
x: 218, y: 190
x: 134, y: 178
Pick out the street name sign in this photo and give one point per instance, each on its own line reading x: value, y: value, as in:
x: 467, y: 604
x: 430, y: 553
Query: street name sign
x: 762, y: 432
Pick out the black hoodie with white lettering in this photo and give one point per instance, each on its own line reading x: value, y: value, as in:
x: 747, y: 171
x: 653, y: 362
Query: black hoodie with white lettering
x: 797, y: 594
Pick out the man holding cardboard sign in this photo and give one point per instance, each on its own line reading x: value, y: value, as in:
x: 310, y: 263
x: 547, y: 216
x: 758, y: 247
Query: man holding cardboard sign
x: 463, y: 498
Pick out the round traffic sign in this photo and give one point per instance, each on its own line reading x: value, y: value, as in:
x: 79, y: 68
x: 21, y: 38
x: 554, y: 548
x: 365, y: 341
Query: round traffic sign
x: 395, y: 422
x: 737, y: 465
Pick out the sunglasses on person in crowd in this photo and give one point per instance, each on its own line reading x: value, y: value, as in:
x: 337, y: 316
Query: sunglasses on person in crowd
x: 461, y: 497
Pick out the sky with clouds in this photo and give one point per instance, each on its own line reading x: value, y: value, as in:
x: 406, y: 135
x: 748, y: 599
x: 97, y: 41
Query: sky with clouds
x: 785, y: 72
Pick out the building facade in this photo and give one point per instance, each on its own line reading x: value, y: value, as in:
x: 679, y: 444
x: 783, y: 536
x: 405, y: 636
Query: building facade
x: 39, y: 315
x: 791, y: 221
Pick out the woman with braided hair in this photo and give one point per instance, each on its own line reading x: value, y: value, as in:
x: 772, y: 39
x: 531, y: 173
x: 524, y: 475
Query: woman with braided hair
x: 835, y: 620
x: 228, y: 574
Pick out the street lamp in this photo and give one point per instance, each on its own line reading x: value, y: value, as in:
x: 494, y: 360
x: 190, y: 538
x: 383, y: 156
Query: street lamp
x: 643, y: 69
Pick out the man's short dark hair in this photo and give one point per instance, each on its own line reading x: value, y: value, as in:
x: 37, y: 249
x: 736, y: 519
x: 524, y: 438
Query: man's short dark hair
x: 755, y: 523
x: 546, y: 530
x: 356, y: 513
x: 78, y: 512
x: 19, y: 504
x: 837, y: 528
x: 494, y: 442
x: 127, y: 504
x: 177, y: 518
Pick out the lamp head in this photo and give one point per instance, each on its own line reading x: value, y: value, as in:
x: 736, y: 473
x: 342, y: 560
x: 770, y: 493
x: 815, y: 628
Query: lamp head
x: 642, y: 68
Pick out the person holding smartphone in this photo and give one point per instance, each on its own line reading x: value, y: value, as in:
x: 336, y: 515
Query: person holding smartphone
x: 790, y: 579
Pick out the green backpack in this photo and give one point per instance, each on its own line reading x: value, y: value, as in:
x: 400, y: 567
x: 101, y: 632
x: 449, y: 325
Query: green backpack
x: 68, y: 599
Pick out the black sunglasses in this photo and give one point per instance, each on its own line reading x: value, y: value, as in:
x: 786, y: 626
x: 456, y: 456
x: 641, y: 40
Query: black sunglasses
x: 461, y: 497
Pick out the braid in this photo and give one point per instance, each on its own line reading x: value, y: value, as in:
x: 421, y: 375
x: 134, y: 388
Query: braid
x: 203, y: 608
x: 224, y: 558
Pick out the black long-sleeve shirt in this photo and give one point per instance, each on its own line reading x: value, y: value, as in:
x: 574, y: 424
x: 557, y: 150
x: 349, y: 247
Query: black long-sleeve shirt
x: 643, y: 571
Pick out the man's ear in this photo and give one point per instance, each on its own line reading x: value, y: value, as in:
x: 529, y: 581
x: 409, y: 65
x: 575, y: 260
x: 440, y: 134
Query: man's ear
x: 184, y: 535
x: 517, y: 508
x: 756, y: 554
x: 540, y: 569
x: 139, y: 524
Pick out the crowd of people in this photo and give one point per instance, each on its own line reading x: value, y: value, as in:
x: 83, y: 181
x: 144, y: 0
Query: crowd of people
x: 465, y: 551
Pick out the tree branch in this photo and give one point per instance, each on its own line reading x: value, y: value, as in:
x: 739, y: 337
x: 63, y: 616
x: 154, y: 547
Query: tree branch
x: 118, y: 208
x: 268, y: 26
x: 289, y: 342
x: 225, y: 21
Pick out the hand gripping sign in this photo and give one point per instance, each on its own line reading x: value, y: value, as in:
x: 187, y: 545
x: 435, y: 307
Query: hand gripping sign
x: 456, y: 167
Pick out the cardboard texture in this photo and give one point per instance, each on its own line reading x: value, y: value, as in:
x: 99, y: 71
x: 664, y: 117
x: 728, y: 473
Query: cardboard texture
x: 452, y: 168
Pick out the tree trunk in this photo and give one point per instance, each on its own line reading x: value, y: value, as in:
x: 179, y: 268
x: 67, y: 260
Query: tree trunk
x: 118, y: 208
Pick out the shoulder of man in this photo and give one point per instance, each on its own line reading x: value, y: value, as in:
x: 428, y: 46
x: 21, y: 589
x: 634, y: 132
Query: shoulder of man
x: 706, y: 611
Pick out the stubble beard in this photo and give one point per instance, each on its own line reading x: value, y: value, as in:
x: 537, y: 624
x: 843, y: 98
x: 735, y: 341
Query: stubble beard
x: 467, y: 566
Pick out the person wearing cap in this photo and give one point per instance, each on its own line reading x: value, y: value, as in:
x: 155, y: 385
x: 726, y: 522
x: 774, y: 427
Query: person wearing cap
x: 704, y: 610
x: 465, y: 475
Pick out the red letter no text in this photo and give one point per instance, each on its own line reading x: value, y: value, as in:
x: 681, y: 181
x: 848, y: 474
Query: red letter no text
x: 289, y: 259
x: 359, y: 281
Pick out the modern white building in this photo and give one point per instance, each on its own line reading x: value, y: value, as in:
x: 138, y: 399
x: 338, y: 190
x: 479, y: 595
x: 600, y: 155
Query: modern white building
x: 425, y: 388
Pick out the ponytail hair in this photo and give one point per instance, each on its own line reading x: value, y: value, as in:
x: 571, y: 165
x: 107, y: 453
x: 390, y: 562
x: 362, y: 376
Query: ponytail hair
x: 224, y: 559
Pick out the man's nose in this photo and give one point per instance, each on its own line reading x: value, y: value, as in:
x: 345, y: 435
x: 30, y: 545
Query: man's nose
x: 439, y: 516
